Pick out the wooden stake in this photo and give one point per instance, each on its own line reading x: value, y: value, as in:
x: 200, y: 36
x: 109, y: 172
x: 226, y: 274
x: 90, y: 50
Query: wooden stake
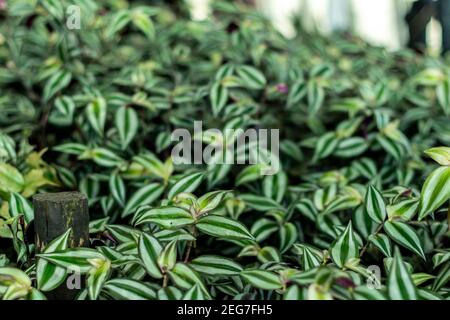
x: 54, y: 214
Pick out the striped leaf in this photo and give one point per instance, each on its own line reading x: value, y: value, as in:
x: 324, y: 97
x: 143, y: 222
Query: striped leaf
x: 149, y: 251
x: 224, y: 228
x: 195, y: 293
x: 18, y: 205
x: 119, y: 20
x: 263, y: 228
x: 218, y: 96
x: 77, y: 258
x: 249, y: 174
x: 48, y: 275
x: 310, y: 258
x: 351, y: 147
x: 96, y: 114
x: 404, y: 235
x: 144, y: 23
x: 127, y: 289
x: 288, y: 236
x: 168, y: 256
x: 54, y: 7
x: 440, y: 154
x: 383, y: 243
x: 251, y: 77
x: 275, y: 186
x: 443, y: 95
x: 71, y: 148
x: 296, y: 93
x: 117, y: 188
x: 269, y: 254
x: 185, y: 277
x: 210, y: 200
x: 127, y: 124
x: 262, y: 279
x: 259, y: 203
x: 435, y: 191
x: 166, y: 217
x: 404, y: 210
x: 187, y: 183
x: 315, y: 97
x: 375, y: 206
x: 169, y: 293
x: 58, y: 81
x: 400, y: 283
x: 97, y: 277
x: 103, y: 157
x: 345, y: 248
x: 123, y: 234
x: 215, y: 266
x: 11, y: 180
x: 325, y: 146
x: 62, y: 113
x: 144, y: 196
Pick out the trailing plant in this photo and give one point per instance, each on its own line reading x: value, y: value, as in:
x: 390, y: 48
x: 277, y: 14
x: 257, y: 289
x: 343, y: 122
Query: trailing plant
x: 358, y: 210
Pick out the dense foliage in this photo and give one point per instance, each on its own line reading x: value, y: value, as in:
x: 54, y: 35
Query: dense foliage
x: 359, y: 209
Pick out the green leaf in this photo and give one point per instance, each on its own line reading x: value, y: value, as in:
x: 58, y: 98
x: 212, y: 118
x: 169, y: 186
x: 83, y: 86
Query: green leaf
x: 404, y: 235
x: 48, y: 275
x: 443, y: 95
x: 259, y: 203
x: 215, y: 266
x: 383, y: 243
x: 345, y: 248
x: 11, y: 180
x: 440, y: 154
x: 166, y: 217
x: 117, y: 188
x: 325, y: 146
x: 222, y: 227
x: 127, y: 125
x: 251, y: 77
x: 195, y: 293
x: 75, y: 258
x: 211, y: 200
x: 127, y: 289
x: 144, y: 23
x: 404, y: 210
x: 103, y: 157
x: 185, y: 278
x: 144, y: 196
x: 400, y: 283
x: 97, y: 277
x: 168, y: 256
x: 96, y: 114
x: 187, y: 183
x: 435, y: 191
x: 219, y: 97
x: 119, y: 20
x: 262, y: 279
x: 149, y: 251
x: 58, y: 81
x: 375, y: 206
x: 296, y: 93
x: 18, y: 205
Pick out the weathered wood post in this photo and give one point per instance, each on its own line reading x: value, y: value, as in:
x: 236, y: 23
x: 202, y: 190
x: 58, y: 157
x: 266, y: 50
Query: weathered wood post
x: 54, y: 214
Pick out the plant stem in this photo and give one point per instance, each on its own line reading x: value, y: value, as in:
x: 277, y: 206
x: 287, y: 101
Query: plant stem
x: 165, y: 280
x: 364, y: 249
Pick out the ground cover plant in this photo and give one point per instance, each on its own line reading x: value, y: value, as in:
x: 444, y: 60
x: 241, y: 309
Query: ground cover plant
x: 358, y: 210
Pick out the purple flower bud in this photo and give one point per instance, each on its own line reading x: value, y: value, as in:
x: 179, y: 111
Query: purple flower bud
x: 282, y: 88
